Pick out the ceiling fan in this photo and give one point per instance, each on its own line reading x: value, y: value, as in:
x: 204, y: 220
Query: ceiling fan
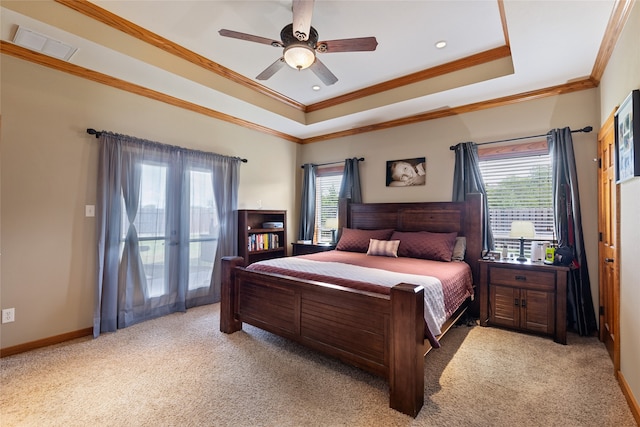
x: 300, y: 42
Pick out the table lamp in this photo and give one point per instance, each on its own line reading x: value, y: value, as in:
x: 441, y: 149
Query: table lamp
x: 522, y: 230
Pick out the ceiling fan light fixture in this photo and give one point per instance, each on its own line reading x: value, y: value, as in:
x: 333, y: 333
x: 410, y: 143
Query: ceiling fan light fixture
x: 299, y: 56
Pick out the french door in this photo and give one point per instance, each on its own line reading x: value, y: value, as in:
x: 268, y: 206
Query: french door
x: 177, y: 228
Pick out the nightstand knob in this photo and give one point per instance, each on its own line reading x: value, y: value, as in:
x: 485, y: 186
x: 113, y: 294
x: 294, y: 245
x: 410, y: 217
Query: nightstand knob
x: 521, y: 278
x: 608, y: 260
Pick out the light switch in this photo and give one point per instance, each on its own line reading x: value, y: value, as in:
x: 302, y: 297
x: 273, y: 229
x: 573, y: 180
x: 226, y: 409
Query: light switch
x: 89, y: 210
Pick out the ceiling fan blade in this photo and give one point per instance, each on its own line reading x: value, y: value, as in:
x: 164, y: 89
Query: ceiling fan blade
x: 249, y: 37
x: 271, y: 70
x: 302, y: 12
x: 323, y: 73
x: 348, y: 45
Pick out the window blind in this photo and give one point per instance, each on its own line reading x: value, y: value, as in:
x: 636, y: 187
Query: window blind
x: 519, y: 189
x: 328, y: 183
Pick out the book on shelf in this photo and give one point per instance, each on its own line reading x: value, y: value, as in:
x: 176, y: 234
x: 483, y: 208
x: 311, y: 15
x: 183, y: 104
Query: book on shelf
x: 263, y: 241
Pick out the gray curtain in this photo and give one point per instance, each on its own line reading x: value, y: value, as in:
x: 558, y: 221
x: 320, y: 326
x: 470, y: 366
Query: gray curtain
x: 467, y: 178
x: 225, y: 178
x: 122, y: 296
x: 308, y: 203
x: 568, y: 228
x: 350, y: 188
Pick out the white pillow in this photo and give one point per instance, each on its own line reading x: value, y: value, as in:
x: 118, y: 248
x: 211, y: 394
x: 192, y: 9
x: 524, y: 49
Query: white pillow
x: 459, y: 249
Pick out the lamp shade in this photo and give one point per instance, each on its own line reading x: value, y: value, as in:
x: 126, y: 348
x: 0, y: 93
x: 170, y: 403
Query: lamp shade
x: 299, y: 56
x: 331, y: 223
x: 524, y: 229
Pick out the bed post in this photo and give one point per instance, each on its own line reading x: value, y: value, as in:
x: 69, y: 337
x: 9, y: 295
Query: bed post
x: 406, y: 370
x: 228, y: 323
x: 343, y: 215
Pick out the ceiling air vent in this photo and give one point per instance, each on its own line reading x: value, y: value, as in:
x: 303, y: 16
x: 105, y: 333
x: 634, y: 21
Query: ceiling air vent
x: 43, y: 44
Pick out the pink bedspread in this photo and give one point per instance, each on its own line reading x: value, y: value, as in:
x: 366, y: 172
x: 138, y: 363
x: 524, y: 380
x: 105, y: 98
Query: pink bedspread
x: 455, y: 277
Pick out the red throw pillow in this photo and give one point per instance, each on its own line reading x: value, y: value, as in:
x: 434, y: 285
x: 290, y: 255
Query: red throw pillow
x: 425, y: 245
x: 355, y: 240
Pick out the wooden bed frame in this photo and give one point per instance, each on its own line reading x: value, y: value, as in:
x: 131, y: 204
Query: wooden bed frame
x: 383, y: 334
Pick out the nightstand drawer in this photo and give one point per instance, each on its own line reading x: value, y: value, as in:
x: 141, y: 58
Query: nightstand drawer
x: 542, y: 280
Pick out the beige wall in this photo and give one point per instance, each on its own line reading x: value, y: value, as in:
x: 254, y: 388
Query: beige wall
x: 621, y: 76
x: 48, y: 175
x: 432, y: 139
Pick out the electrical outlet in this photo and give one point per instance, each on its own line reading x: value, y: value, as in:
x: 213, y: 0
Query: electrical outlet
x: 8, y: 315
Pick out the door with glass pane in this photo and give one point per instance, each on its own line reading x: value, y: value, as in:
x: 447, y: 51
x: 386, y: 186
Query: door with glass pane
x: 152, y: 229
x: 203, y: 230
x: 177, y: 232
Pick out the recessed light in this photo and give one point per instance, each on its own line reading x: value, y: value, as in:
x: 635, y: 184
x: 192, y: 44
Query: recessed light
x: 315, y: 87
x: 441, y: 44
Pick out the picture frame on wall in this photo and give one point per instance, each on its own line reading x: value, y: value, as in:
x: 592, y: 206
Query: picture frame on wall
x: 627, y: 132
x: 407, y: 172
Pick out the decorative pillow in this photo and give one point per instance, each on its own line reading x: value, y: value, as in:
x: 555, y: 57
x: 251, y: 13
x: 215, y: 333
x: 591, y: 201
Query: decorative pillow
x: 355, y: 240
x: 459, y: 249
x: 425, y: 245
x: 383, y: 248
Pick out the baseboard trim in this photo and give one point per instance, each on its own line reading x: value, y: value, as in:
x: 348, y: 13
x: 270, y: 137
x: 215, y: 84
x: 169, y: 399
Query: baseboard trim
x: 21, y: 348
x: 628, y: 394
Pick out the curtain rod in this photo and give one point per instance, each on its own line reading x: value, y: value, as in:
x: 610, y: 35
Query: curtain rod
x: 91, y: 131
x: 361, y: 159
x: 585, y: 129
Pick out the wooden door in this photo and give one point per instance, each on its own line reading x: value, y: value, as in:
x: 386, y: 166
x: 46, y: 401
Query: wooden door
x: 608, y: 223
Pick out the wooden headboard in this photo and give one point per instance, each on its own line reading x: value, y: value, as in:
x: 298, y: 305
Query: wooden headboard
x: 464, y: 218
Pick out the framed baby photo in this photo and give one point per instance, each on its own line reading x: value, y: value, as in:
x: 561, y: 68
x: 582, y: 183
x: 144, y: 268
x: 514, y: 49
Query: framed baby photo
x: 407, y: 172
x: 627, y: 130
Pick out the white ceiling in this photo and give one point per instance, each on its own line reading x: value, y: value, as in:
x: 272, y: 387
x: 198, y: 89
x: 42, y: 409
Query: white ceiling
x: 552, y: 43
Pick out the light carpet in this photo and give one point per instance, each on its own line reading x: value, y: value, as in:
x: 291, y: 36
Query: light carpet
x: 180, y: 370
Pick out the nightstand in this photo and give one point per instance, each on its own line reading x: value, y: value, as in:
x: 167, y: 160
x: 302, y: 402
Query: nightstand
x: 311, y: 248
x: 524, y: 296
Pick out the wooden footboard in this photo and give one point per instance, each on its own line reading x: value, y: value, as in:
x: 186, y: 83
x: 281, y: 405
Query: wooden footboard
x: 383, y: 334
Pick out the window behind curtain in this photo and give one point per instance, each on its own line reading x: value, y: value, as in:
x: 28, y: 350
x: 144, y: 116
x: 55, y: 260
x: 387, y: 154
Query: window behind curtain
x: 518, y: 184
x: 328, y: 180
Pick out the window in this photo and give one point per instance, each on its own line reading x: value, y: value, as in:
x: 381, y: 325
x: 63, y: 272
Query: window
x: 328, y: 181
x: 518, y: 188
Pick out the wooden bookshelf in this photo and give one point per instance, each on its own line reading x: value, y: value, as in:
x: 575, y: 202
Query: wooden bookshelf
x: 256, y: 240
